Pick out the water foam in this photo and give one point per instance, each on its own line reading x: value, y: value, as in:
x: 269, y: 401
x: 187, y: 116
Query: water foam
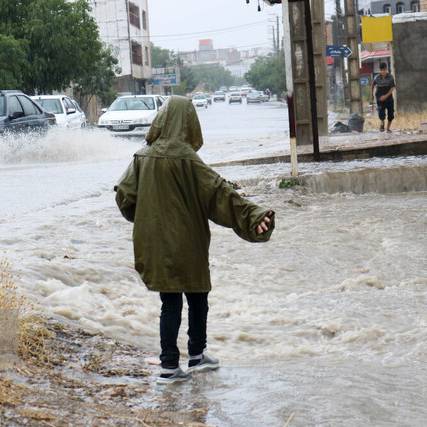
x: 65, y: 145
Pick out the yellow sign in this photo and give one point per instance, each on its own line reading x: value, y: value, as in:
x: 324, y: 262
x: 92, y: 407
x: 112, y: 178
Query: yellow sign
x: 377, y: 29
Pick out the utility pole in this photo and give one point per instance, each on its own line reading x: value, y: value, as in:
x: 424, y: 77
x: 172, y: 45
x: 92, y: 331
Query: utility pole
x: 274, y: 39
x: 287, y: 49
x: 277, y: 34
x: 351, y: 28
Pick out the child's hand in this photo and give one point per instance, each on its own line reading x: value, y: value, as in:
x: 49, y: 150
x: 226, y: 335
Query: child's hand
x: 264, y: 225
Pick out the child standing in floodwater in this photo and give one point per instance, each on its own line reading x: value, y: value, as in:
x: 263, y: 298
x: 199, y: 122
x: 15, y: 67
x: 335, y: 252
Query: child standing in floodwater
x: 170, y: 195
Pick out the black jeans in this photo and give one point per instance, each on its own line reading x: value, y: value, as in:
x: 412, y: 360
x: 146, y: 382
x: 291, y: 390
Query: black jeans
x: 387, y: 105
x: 170, y: 321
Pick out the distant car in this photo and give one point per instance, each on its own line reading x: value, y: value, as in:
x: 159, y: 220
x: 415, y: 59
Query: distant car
x: 19, y: 113
x: 219, y: 96
x: 67, y: 111
x: 223, y: 88
x: 235, y: 97
x: 253, y: 97
x: 200, y: 101
x: 131, y: 115
x: 245, y: 90
x: 234, y: 89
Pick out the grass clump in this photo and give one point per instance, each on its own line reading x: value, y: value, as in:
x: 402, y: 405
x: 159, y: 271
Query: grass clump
x: 288, y: 183
x: 24, y: 332
x: 405, y: 121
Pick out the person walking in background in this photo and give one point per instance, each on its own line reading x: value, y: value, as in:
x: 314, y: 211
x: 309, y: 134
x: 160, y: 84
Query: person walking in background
x: 170, y: 195
x: 383, y: 87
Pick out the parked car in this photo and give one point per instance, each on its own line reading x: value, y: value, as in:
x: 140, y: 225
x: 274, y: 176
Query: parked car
x: 67, y: 111
x: 235, y: 97
x: 131, y: 115
x: 200, y: 101
x: 219, y: 96
x: 208, y: 98
x: 253, y: 97
x: 19, y: 113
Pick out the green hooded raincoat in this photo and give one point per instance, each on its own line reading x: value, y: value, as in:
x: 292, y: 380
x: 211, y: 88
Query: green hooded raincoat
x: 170, y: 194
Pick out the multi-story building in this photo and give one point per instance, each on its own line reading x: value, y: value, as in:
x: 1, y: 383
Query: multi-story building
x: 395, y: 7
x: 423, y: 5
x: 124, y: 26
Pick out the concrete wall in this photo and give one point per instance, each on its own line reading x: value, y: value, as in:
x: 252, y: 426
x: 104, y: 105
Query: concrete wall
x: 410, y: 62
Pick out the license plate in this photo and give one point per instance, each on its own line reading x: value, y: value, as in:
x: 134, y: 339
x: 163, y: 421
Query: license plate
x: 120, y: 127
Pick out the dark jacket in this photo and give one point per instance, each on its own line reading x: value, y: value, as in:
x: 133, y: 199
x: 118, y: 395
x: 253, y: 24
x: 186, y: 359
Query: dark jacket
x: 170, y: 194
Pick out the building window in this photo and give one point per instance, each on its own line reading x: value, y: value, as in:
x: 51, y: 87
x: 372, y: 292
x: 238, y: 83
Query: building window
x: 415, y: 6
x: 147, y: 56
x: 134, y: 15
x: 387, y: 8
x: 144, y: 19
x: 400, y: 8
x: 136, y: 53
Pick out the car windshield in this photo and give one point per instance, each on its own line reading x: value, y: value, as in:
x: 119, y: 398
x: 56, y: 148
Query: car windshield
x: 218, y: 92
x: 51, y: 105
x: 123, y: 104
x: 199, y: 97
x: 235, y: 94
x: 2, y: 106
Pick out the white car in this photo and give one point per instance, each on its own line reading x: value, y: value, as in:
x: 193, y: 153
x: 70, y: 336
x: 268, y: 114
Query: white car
x: 67, y: 111
x: 254, y: 97
x: 131, y: 115
x: 200, y: 101
x: 235, y: 97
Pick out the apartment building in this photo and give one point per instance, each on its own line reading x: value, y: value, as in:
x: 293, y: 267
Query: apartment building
x: 395, y: 7
x: 124, y: 26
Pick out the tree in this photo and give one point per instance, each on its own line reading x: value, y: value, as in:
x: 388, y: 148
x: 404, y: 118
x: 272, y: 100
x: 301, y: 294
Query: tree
x: 161, y: 58
x: 12, y: 62
x: 268, y: 72
x: 212, y: 77
x: 62, y: 45
x: 99, y: 82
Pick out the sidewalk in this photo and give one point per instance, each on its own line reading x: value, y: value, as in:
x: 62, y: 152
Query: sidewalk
x: 347, y: 147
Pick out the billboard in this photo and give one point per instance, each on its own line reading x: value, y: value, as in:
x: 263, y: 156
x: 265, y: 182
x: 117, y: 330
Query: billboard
x: 168, y: 76
x: 377, y: 29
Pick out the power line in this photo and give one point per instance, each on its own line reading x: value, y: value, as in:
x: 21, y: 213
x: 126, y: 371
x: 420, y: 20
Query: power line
x: 189, y: 36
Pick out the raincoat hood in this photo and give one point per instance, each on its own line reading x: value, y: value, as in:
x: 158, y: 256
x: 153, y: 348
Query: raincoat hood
x: 176, y: 122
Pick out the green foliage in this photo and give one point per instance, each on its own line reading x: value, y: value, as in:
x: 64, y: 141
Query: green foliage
x: 12, y: 62
x: 288, y: 183
x: 100, y: 80
x: 62, y: 46
x: 161, y: 58
x: 188, y: 81
x: 212, y: 77
x: 268, y: 72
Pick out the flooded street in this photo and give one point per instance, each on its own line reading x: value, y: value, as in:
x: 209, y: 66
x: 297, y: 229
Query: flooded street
x: 326, y: 323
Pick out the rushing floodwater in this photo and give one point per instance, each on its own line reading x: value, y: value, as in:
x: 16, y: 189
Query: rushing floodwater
x: 327, y: 321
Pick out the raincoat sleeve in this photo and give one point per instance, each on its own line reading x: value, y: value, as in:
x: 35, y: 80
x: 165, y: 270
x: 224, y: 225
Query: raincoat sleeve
x: 226, y: 207
x: 127, y: 190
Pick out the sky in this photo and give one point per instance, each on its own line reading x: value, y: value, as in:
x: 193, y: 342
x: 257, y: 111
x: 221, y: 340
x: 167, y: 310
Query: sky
x: 174, y: 22
x: 240, y: 23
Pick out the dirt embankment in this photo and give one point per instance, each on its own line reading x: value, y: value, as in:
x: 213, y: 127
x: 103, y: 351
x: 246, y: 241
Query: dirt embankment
x: 53, y: 373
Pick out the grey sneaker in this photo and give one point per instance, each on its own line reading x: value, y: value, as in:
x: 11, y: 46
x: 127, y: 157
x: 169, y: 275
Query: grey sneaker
x: 206, y: 363
x: 171, y: 376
